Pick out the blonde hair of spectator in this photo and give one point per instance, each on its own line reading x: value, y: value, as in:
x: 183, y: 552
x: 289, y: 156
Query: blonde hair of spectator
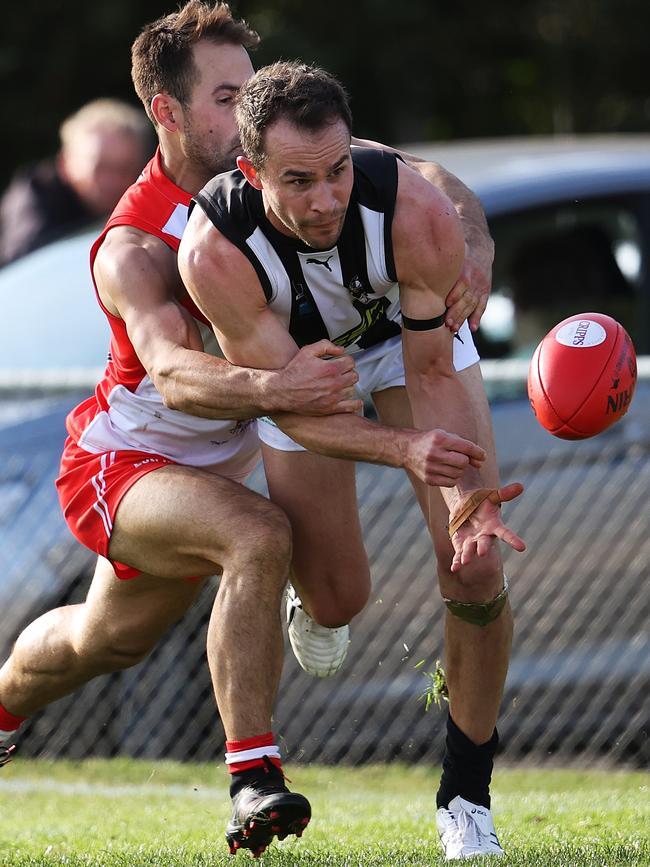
x: 105, y: 114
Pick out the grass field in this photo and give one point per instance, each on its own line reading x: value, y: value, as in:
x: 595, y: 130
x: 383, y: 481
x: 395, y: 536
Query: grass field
x: 132, y: 814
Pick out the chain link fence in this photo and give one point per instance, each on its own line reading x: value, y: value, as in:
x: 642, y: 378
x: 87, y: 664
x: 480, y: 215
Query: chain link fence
x: 578, y: 688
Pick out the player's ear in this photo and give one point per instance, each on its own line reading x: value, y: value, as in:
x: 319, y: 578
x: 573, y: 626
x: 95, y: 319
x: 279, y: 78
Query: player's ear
x: 249, y: 171
x: 167, y: 111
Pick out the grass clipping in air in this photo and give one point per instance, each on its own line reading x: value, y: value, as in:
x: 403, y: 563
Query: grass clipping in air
x: 435, y: 691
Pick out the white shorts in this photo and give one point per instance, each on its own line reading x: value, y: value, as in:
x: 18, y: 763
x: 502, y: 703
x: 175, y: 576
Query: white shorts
x: 379, y: 368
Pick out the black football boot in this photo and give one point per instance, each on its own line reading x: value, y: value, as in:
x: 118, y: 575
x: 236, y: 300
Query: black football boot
x: 263, y: 808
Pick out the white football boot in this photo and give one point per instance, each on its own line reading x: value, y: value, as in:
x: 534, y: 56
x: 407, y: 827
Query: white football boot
x: 467, y: 830
x: 320, y: 651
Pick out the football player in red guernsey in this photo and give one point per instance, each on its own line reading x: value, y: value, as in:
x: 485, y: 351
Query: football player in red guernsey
x: 152, y: 469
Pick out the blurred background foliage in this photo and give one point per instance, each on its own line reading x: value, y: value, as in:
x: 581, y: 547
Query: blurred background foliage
x: 416, y: 69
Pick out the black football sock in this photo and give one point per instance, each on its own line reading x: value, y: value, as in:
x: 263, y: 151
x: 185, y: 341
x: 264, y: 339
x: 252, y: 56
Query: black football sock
x: 466, y: 768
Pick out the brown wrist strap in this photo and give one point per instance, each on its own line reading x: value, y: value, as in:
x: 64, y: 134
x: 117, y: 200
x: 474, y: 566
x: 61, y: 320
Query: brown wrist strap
x: 469, y: 505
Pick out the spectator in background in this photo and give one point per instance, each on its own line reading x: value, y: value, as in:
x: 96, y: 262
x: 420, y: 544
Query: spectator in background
x: 104, y: 146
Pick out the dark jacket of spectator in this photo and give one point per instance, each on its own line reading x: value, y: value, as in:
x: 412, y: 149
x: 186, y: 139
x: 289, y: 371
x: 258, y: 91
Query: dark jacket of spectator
x: 104, y: 146
x: 38, y: 207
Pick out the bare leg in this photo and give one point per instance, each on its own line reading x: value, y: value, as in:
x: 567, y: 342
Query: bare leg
x: 476, y: 657
x: 330, y: 567
x: 172, y: 523
x: 115, y: 628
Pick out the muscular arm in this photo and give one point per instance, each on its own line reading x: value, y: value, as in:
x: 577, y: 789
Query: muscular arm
x: 469, y: 294
x: 225, y: 287
x: 438, y: 398
x: 426, y: 270
x: 136, y: 276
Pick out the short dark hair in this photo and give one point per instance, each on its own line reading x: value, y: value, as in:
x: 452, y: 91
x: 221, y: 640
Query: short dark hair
x: 307, y: 96
x: 161, y: 57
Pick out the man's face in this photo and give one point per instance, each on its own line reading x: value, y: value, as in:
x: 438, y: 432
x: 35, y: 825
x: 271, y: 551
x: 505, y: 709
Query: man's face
x: 307, y: 181
x: 209, y: 136
x: 100, y: 164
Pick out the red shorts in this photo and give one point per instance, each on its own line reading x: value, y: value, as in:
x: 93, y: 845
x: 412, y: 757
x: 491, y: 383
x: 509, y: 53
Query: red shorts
x: 91, y: 487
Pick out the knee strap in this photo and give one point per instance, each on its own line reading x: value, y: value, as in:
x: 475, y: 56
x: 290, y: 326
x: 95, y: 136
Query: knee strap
x: 479, y: 613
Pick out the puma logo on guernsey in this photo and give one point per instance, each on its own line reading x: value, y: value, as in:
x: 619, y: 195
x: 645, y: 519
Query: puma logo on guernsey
x: 325, y: 262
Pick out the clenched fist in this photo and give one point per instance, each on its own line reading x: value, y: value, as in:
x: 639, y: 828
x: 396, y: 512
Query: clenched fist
x: 440, y: 458
x: 319, y: 380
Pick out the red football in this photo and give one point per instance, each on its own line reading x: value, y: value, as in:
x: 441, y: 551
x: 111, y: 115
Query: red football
x: 582, y: 376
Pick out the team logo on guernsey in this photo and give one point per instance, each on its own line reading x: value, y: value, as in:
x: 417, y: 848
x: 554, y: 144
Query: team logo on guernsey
x: 239, y: 428
x: 358, y: 291
x: 325, y: 262
x: 370, y: 316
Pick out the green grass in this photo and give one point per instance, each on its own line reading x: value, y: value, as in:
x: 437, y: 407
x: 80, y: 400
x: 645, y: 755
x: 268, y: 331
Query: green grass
x: 132, y: 814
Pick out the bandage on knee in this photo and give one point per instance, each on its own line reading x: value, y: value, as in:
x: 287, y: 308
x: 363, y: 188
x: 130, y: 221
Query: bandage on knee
x: 479, y: 613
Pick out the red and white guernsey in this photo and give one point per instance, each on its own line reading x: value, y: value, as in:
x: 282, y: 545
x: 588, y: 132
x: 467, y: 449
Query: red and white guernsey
x: 126, y: 411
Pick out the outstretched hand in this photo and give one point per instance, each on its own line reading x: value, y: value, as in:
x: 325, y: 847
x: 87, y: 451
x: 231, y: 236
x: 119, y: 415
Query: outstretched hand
x: 476, y: 535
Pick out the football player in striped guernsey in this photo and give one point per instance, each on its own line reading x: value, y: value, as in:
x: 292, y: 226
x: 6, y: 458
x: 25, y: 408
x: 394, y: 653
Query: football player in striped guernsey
x: 314, y: 239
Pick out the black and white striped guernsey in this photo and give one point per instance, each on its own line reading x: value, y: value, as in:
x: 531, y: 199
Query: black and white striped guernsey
x: 348, y: 294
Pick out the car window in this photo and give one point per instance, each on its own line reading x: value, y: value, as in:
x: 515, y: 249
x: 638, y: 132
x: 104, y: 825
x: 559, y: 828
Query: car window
x: 553, y: 262
x: 50, y: 316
